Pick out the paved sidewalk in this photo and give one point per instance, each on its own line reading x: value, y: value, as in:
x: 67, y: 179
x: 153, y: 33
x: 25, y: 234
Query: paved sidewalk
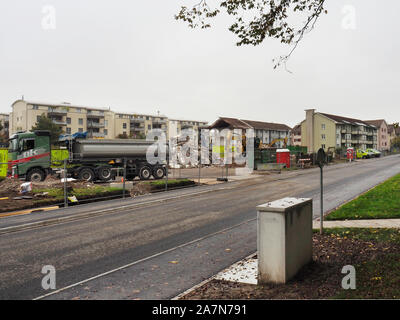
x: 372, y: 223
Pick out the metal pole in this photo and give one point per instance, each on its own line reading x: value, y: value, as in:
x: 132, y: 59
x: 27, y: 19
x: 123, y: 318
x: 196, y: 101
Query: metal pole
x: 322, y: 202
x: 65, y: 184
x: 199, y: 172
x: 166, y: 169
x: 123, y: 183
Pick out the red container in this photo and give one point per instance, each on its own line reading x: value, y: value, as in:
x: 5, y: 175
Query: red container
x: 350, y: 154
x: 283, y: 156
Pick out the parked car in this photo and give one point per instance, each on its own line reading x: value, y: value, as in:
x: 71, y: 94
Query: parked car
x: 376, y: 153
x: 364, y: 154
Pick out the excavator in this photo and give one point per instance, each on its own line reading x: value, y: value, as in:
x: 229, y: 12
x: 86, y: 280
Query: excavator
x: 273, y: 143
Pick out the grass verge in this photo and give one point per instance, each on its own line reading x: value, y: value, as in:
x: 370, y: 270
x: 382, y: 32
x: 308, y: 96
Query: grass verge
x: 381, y: 202
x: 377, y: 278
x: 173, y: 183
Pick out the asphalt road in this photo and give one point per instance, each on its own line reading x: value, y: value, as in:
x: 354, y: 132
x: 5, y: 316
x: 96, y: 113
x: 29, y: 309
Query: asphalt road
x: 155, y: 247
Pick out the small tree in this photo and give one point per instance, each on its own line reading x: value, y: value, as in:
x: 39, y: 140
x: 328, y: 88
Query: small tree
x: 45, y: 123
x: 396, y: 143
x: 3, y: 137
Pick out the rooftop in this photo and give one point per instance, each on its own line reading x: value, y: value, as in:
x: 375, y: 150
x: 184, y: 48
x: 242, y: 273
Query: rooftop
x: 233, y: 123
x: 346, y: 120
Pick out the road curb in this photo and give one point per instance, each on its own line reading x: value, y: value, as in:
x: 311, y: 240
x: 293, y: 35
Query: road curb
x: 181, y: 295
x: 27, y: 211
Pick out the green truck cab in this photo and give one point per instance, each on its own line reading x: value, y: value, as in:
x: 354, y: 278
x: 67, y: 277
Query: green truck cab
x: 30, y: 155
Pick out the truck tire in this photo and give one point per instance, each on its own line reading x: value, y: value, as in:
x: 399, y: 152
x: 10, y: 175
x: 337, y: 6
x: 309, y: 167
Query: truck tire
x: 159, y: 173
x: 145, y: 173
x: 104, y: 173
x: 36, y: 175
x: 86, y: 174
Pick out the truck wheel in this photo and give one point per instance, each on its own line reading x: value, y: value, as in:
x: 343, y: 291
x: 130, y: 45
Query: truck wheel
x: 86, y: 174
x: 104, y: 173
x: 145, y: 173
x: 36, y: 175
x: 159, y: 173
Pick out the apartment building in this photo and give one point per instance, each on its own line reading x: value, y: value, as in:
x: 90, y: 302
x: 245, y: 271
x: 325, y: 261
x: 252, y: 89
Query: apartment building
x: 295, y: 136
x: 383, y: 134
x: 322, y: 130
x: 393, y: 131
x: 267, y: 132
x: 98, y: 122
x: 138, y: 125
x: 71, y: 118
x: 177, y: 125
x: 5, y: 123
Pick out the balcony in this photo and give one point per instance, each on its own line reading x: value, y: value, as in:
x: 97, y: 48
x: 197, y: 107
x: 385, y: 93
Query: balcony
x: 95, y: 114
x: 92, y: 124
x: 139, y: 129
x: 137, y: 120
x: 59, y: 122
x: 158, y: 121
x: 96, y: 135
x: 57, y: 111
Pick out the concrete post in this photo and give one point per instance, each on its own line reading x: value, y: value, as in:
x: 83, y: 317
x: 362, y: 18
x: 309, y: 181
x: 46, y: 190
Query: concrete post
x: 284, y: 239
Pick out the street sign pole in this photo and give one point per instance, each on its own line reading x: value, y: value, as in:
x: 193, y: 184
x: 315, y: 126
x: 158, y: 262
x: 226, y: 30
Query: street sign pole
x: 322, y: 201
x: 321, y: 160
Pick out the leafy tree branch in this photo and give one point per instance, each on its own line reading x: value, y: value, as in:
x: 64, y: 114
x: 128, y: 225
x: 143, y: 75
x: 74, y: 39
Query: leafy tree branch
x: 255, y: 20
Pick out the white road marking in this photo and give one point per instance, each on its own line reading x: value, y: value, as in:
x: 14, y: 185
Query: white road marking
x: 142, y: 260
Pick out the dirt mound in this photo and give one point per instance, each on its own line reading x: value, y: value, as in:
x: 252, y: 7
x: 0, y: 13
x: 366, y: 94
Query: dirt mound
x: 9, y: 186
x: 140, y: 189
x: 55, y: 182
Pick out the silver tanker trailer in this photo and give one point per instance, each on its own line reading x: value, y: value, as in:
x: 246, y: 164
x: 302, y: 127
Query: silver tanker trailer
x: 99, y: 159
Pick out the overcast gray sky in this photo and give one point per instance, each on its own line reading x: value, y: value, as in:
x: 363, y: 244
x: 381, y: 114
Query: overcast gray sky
x: 133, y: 56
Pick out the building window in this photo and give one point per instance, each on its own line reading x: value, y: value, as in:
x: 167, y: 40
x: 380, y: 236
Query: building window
x: 124, y: 125
x: 69, y: 120
x: 323, y: 146
x: 69, y: 130
x: 147, y: 118
x: 105, y: 132
x: 323, y: 137
x: 80, y: 121
x: 80, y: 129
x: 149, y: 127
x: 35, y: 107
x: 323, y: 126
x: 106, y: 123
x: 78, y: 110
